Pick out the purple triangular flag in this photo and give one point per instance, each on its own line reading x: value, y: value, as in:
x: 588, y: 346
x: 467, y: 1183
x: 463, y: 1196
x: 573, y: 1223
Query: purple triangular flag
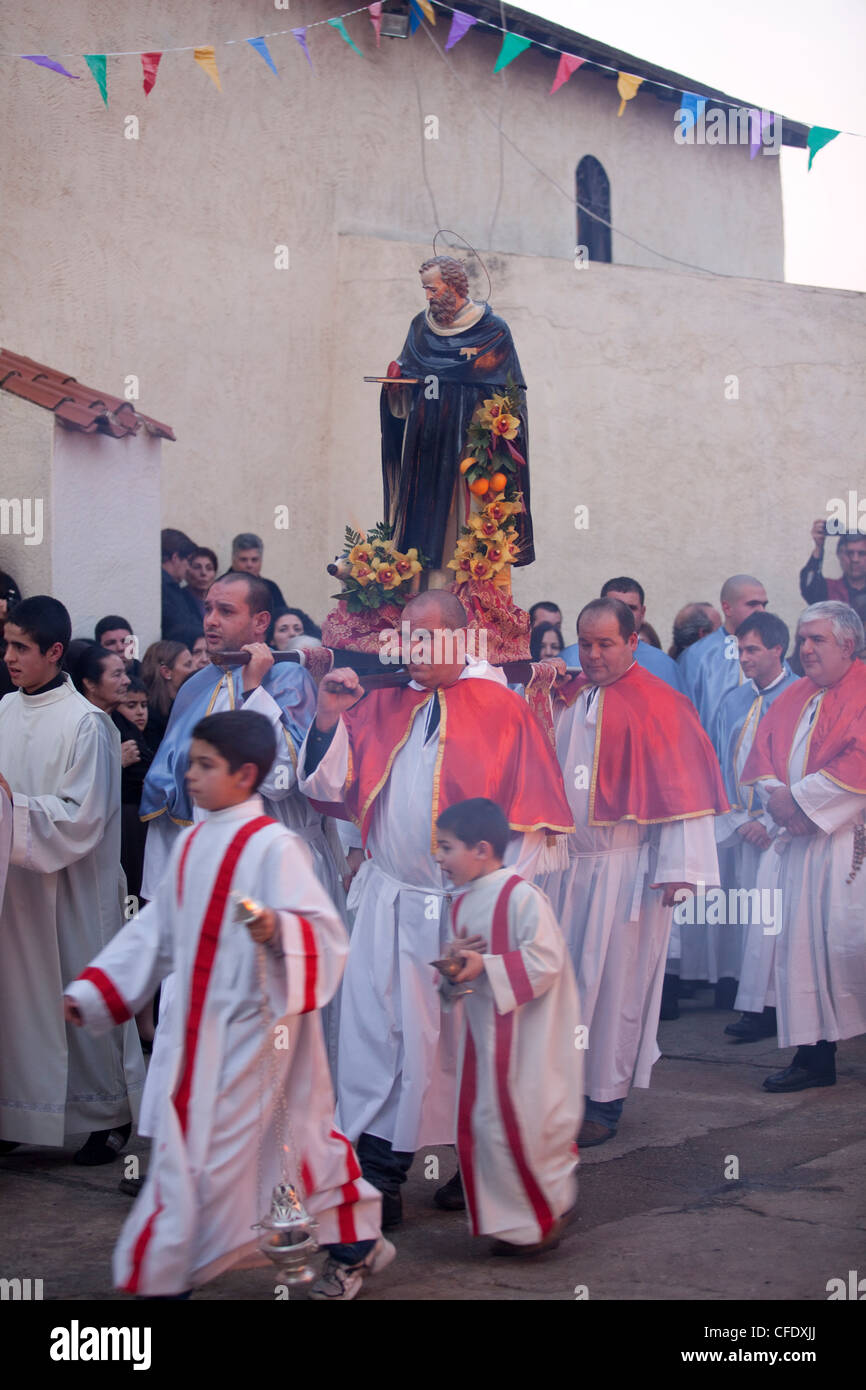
x: 262, y: 48
x: 459, y: 25
x: 49, y: 63
x: 301, y: 36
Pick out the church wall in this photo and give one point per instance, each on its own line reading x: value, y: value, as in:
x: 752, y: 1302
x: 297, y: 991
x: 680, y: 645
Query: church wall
x: 25, y: 479
x: 155, y: 257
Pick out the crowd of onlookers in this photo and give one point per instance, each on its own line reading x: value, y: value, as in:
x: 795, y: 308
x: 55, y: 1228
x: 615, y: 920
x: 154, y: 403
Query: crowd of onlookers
x: 138, y: 694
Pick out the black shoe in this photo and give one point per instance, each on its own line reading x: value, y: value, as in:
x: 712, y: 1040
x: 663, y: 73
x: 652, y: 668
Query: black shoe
x: 392, y: 1210
x: 131, y: 1186
x: 450, y: 1197
x: 670, y: 1009
x: 726, y: 992
x: 103, y: 1146
x: 751, y: 1027
x: 795, y: 1078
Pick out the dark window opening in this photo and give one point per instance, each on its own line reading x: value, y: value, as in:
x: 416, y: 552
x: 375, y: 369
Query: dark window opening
x: 593, y: 197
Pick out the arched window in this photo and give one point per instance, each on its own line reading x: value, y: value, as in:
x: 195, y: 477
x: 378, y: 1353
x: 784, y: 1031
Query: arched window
x: 593, y: 194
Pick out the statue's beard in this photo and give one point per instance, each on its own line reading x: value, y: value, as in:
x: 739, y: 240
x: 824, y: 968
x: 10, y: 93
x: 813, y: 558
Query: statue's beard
x: 444, y: 308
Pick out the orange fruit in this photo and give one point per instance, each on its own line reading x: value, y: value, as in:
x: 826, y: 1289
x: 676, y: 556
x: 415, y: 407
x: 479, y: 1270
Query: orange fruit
x: 480, y: 486
x: 467, y: 464
x: 498, y: 482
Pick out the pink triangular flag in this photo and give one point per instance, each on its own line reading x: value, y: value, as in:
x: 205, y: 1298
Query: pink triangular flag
x: 376, y: 19
x: 301, y: 36
x: 149, y: 65
x: 568, y: 64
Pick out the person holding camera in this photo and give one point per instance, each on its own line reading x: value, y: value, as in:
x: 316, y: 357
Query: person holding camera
x: 851, y: 587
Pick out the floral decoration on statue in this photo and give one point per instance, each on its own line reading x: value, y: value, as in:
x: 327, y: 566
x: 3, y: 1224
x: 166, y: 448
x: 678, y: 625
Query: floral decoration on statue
x: 491, y: 460
x: 373, y: 571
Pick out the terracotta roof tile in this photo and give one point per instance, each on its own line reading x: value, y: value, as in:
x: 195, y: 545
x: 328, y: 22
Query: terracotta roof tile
x: 75, y: 406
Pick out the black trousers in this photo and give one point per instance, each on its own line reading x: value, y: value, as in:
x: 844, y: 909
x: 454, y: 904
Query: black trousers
x: 384, y: 1167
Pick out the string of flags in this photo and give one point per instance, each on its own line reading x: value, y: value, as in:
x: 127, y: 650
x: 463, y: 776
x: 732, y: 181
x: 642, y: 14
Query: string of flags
x: 513, y: 45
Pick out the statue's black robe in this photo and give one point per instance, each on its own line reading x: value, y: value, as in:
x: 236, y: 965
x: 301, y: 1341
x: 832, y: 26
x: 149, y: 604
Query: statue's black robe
x: 420, y: 455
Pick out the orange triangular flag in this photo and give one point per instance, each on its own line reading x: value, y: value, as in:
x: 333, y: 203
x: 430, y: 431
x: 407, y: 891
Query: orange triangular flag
x: 627, y: 86
x: 206, y: 58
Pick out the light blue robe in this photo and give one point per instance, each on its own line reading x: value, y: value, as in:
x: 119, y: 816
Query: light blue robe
x: 735, y: 709
x: 657, y: 662
x: 708, y: 670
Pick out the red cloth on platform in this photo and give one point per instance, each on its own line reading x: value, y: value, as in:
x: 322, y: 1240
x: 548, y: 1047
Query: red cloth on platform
x: 490, y: 744
x: 837, y: 743
x: 652, y: 762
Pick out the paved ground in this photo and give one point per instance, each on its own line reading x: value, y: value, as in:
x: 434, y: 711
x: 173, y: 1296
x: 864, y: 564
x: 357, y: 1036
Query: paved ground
x: 658, y: 1217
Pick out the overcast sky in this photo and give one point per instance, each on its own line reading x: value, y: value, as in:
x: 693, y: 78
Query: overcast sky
x: 804, y: 59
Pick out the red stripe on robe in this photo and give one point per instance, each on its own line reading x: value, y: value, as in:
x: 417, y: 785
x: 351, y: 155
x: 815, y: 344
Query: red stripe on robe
x: 140, y: 1248
x: 115, y: 1004
x: 490, y: 744
x: 652, y: 760
x: 181, y: 868
x: 465, y: 1105
x: 311, y: 965
x: 349, y: 1193
x: 204, y: 958
x: 504, y: 1025
x: 837, y: 742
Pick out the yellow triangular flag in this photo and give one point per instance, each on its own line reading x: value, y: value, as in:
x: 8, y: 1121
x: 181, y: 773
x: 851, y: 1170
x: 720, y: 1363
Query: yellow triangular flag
x: 627, y: 86
x: 206, y: 58
x: 427, y: 9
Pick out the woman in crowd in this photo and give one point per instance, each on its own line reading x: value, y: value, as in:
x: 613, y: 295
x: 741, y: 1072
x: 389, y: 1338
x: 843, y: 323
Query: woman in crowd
x: 100, y: 676
x: 288, y: 623
x: 164, y: 668
x: 545, y: 640
x: 202, y: 573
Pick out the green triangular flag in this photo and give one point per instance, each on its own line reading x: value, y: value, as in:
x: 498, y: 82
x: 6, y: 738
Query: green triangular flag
x: 819, y: 136
x: 96, y: 63
x: 512, y: 45
x: 341, y: 29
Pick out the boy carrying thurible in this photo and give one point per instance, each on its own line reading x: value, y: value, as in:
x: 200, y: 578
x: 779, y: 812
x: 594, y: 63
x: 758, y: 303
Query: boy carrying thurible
x: 250, y: 1074
x: 520, y: 1086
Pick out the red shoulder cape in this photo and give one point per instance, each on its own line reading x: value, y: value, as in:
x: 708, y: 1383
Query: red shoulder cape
x: 652, y: 761
x: 837, y: 743
x: 490, y: 744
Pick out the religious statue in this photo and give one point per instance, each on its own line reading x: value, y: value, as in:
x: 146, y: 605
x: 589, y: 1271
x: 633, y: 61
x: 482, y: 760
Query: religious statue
x: 456, y: 354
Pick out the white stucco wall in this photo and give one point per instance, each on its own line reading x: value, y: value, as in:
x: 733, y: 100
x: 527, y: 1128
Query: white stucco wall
x: 155, y: 257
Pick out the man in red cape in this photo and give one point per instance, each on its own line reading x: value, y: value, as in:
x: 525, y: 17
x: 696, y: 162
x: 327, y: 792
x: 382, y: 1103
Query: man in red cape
x: 391, y: 763
x: 808, y: 763
x: 643, y: 784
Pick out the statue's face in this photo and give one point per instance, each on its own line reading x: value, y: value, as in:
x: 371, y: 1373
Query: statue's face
x: 445, y: 303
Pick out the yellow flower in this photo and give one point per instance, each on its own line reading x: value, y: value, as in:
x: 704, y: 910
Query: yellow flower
x: 511, y: 549
x: 497, y: 548
x: 498, y: 510
x: 484, y: 526
x: 364, y: 574
x: 480, y: 567
x: 407, y: 565
x: 361, y: 554
x: 505, y: 426
x: 387, y: 576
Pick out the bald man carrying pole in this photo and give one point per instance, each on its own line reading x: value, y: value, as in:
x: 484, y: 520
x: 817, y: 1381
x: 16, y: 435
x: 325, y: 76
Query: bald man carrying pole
x: 711, y: 667
x: 392, y: 761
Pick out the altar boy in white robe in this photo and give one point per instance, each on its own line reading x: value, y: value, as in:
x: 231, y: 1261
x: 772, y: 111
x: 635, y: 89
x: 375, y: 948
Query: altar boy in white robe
x: 60, y: 783
x: 249, y: 1080
x: 521, y: 1072
x: 808, y: 763
x: 643, y: 784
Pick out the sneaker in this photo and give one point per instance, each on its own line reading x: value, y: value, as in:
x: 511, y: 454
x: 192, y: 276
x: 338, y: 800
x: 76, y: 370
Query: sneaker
x: 338, y: 1283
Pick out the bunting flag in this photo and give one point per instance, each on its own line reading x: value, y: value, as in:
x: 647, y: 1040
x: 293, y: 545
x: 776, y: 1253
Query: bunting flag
x: 427, y: 10
x: 819, y: 136
x: 567, y: 65
x: 344, y: 33
x: 301, y: 36
x: 44, y: 62
x: 206, y: 59
x: 96, y: 63
x: 149, y: 65
x: 375, y: 11
x: 512, y: 46
x: 627, y: 85
x: 695, y: 106
x: 460, y: 25
x: 262, y: 48
x: 415, y: 15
